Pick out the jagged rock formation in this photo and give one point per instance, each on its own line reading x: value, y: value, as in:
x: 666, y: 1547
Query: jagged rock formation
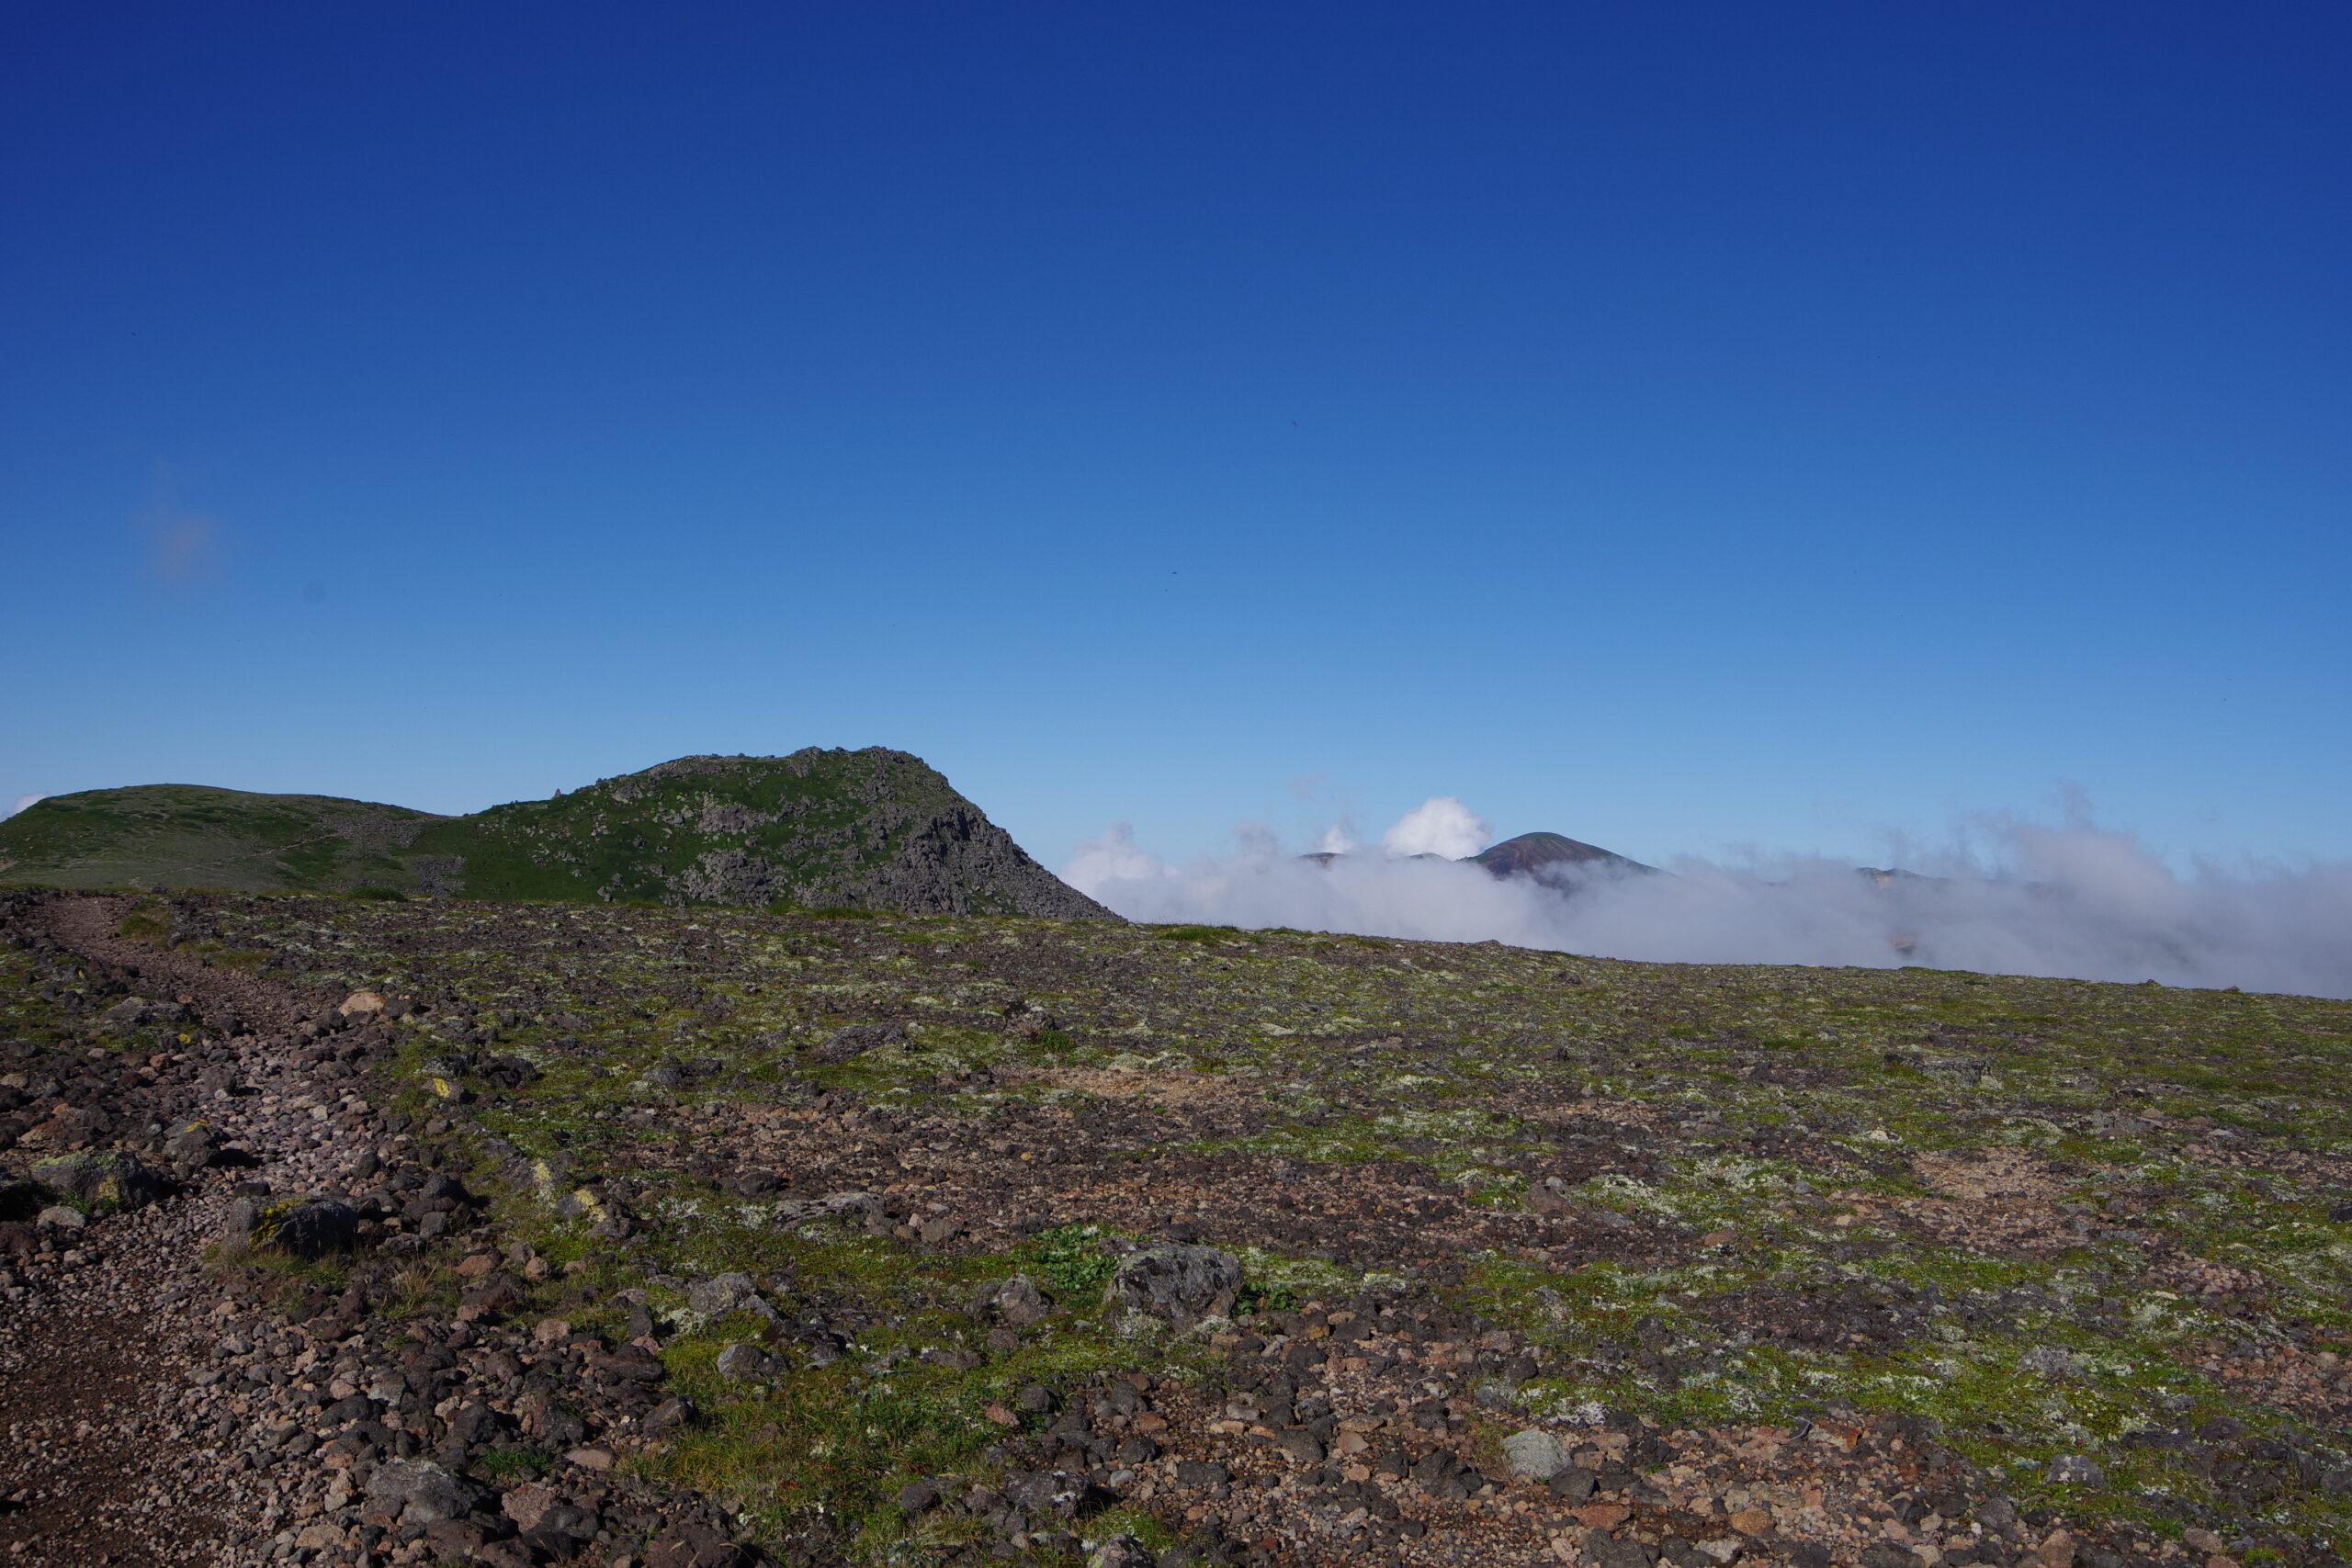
x: 872, y: 828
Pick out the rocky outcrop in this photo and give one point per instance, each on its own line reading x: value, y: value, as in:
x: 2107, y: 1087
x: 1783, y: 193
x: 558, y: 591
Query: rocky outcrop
x: 1182, y: 1284
x: 872, y: 828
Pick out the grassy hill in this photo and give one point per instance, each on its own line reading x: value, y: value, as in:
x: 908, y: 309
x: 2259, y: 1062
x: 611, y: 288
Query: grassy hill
x: 193, y: 836
x: 872, y: 828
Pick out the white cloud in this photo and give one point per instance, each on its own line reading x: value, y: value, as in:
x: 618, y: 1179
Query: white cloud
x: 2073, y: 899
x: 21, y: 802
x: 1440, y: 825
x: 1113, y: 858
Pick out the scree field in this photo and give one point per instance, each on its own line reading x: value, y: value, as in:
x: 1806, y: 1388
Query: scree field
x: 446, y: 1231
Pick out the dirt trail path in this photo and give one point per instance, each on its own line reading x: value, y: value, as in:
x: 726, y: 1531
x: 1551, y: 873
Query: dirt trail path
x: 111, y: 1420
x: 88, y: 925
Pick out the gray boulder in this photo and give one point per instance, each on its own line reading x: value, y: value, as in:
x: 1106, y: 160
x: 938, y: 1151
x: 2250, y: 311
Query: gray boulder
x: 57, y: 1216
x: 1535, y: 1454
x: 678, y: 1412
x: 1606, y: 1551
x: 2050, y: 1361
x: 719, y: 1294
x: 868, y: 1209
x: 2076, y: 1470
x: 238, y: 1219
x: 1179, y: 1285
x: 1019, y: 1301
x: 316, y: 1226
x: 193, y: 1142
x: 103, y: 1183
x: 418, y: 1491
x: 858, y: 1039
x: 1121, y: 1552
x: 747, y: 1362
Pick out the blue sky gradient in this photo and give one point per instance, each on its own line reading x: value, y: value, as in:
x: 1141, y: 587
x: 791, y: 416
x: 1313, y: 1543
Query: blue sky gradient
x: 1682, y: 425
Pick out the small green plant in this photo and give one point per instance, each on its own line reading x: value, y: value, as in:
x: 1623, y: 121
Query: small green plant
x: 1072, y: 1257
x: 381, y: 893
x: 1268, y: 1298
x: 145, y: 922
x: 510, y: 1464
x: 1193, y: 933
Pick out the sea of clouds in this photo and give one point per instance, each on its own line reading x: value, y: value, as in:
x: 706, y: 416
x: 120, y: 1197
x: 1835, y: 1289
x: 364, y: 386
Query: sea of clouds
x: 2022, y: 897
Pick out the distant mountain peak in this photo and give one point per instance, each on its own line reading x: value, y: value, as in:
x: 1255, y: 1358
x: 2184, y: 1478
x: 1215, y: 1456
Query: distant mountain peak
x: 1549, y: 856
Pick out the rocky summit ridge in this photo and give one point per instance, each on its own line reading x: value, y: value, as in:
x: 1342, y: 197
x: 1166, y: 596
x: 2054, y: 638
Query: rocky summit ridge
x: 867, y: 829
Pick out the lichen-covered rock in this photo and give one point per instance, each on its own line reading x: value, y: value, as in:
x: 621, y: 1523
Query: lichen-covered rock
x: 870, y: 1210
x: 1534, y: 1453
x: 1179, y: 1285
x: 1121, y: 1552
x: 2050, y: 1361
x: 103, y: 1183
x: 2076, y: 1470
x: 719, y: 1294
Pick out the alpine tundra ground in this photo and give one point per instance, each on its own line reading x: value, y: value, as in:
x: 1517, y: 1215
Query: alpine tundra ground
x: 351, y: 1231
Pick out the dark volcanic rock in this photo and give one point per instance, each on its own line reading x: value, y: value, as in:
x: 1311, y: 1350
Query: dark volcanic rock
x: 103, y: 1182
x: 418, y: 1493
x: 694, y: 1546
x: 858, y: 1039
x: 1182, y: 1284
x: 308, y: 1227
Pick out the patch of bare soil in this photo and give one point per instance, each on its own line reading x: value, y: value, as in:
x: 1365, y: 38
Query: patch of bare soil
x: 1980, y: 1174
x: 99, y: 1464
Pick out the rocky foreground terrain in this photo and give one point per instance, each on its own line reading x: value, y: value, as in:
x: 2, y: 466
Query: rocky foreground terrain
x: 364, y: 1230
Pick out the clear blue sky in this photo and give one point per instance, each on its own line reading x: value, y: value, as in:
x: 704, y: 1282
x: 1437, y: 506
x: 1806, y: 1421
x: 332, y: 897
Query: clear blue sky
x: 1672, y: 424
